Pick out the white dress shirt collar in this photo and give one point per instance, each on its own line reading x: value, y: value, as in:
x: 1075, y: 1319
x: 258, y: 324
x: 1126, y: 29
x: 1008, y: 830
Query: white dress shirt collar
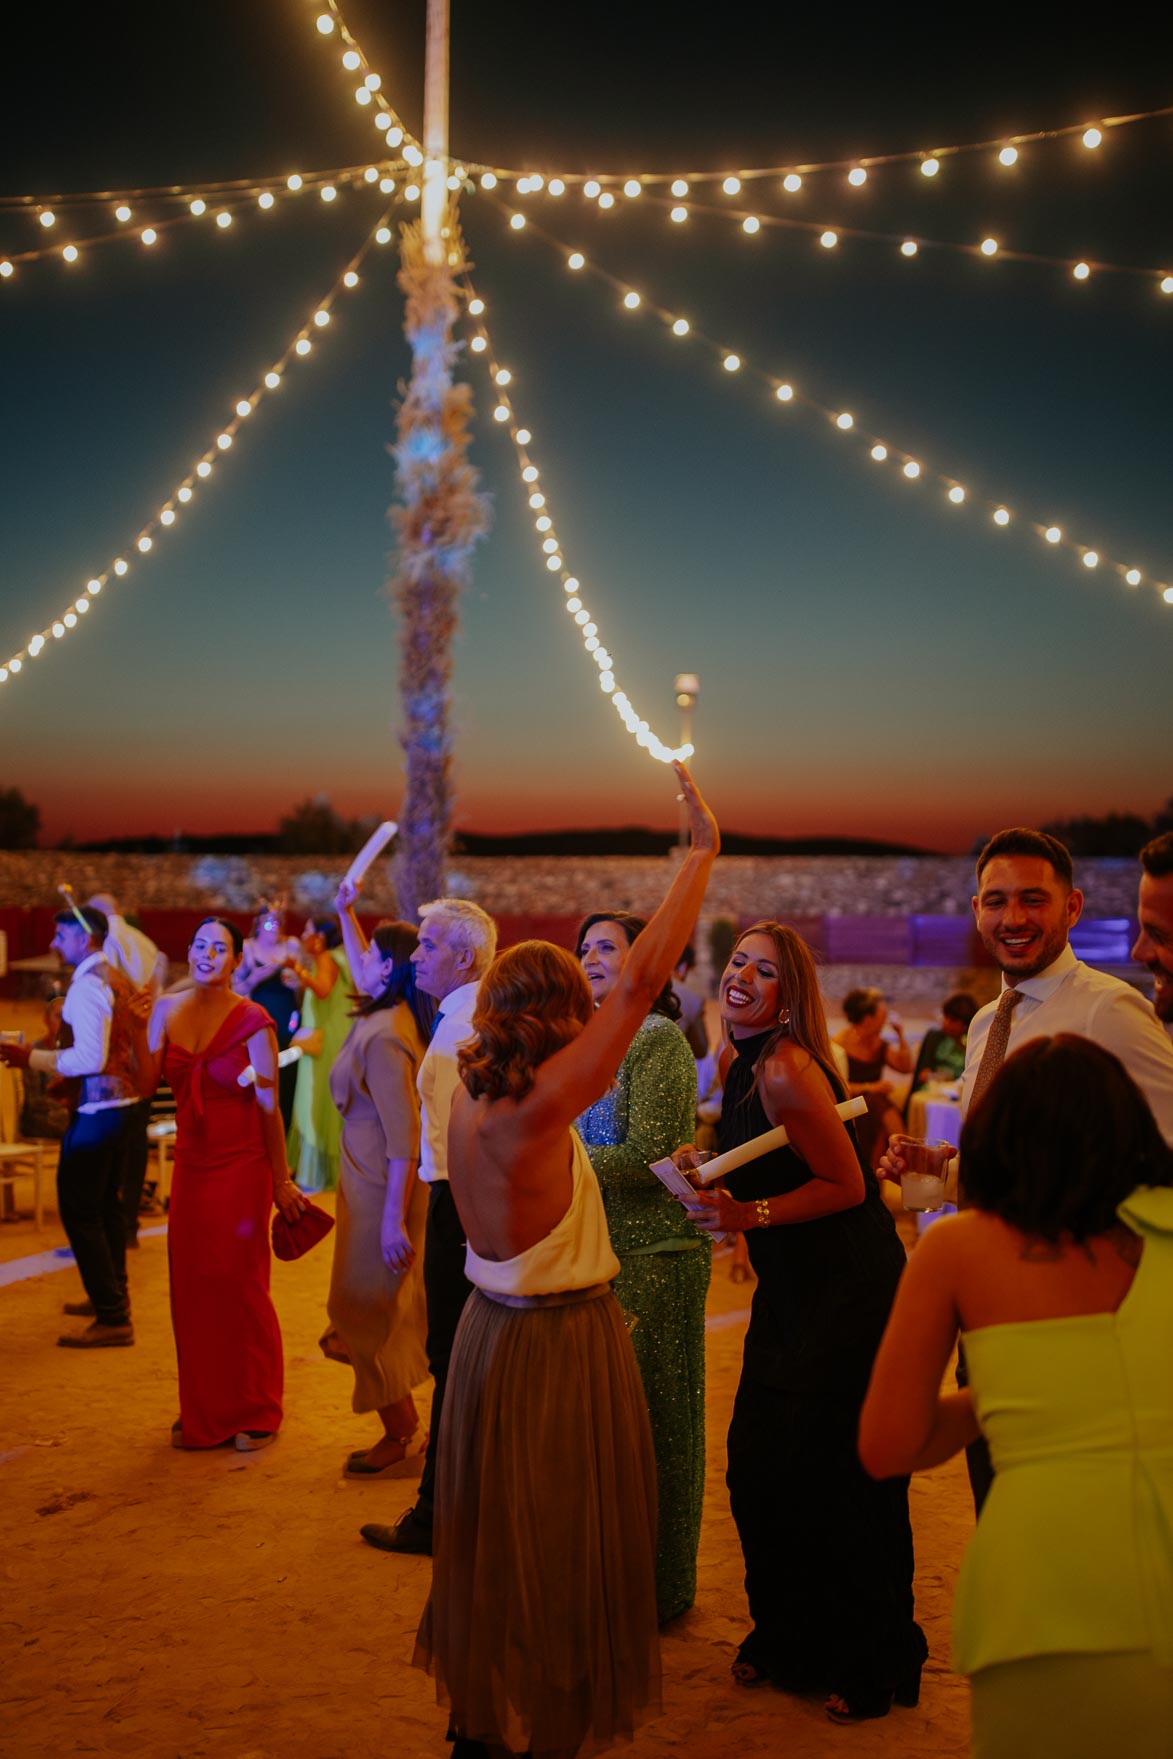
x: 1045, y: 983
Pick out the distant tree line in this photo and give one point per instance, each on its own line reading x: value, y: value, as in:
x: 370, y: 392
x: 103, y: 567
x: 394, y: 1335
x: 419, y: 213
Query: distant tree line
x: 1117, y: 833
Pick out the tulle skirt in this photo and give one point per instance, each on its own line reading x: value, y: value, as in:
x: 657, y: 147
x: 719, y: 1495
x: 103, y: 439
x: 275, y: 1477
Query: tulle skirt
x: 541, y: 1627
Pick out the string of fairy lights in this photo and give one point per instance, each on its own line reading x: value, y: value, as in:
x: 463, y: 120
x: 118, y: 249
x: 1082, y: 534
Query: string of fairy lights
x: 299, y: 347
x: 551, y: 547
x: 1006, y: 152
x: 881, y: 450
x: 220, y: 213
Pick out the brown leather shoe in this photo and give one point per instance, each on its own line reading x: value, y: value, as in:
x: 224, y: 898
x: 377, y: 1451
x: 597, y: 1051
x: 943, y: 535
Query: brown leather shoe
x: 98, y: 1337
x: 78, y: 1309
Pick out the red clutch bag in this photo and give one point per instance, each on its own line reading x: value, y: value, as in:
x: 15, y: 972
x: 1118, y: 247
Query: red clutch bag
x: 294, y: 1239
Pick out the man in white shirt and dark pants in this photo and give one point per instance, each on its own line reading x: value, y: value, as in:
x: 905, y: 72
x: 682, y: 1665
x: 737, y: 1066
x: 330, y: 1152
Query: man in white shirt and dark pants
x: 88, y: 1199
x: 129, y: 950
x: 1025, y: 907
x: 456, y: 947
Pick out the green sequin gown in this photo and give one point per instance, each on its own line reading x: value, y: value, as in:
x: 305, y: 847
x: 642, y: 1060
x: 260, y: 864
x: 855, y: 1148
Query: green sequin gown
x: 651, y: 1110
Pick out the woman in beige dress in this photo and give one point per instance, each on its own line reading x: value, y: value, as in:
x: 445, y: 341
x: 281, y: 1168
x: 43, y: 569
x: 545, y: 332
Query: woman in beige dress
x: 376, y: 1307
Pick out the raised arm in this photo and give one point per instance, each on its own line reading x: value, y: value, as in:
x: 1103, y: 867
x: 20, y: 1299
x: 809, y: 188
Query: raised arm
x: 575, y: 1076
x: 354, y: 940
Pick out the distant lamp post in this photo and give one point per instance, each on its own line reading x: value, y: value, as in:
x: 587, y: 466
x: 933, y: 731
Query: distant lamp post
x: 687, y: 688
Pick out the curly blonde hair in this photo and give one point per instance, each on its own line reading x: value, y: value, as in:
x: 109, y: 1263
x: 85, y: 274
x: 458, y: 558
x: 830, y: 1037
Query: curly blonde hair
x: 533, y: 1000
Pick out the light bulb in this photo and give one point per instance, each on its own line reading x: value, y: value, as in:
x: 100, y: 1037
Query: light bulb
x: 223, y: 219
x: 680, y: 215
x: 6, y: 269
x: 879, y: 453
x: 989, y: 247
x: 293, y: 182
x: 957, y: 494
x: 321, y: 319
x: 501, y: 413
x: 556, y: 186
x: 303, y: 345
x: 1166, y: 283
x: 680, y: 186
x: 591, y: 187
x: 352, y: 60
x: 122, y: 213
x: 503, y: 376
x: 244, y: 408
x: 633, y: 187
x: 387, y: 185
x: 350, y: 279
x: 223, y: 441
x: 530, y: 474
x: 909, y: 247
x: 328, y: 192
x: 573, y: 605
x: 1008, y: 156
x: 412, y: 154
x: 517, y: 221
x: 523, y: 436
x: 58, y: 630
x: 265, y: 199
x: 478, y: 344
x: 370, y: 175
x: 1091, y: 137
x: 591, y: 644
x: 70, y: 253
x: 792, y: 183
x: 1001, y: 516
x: 1052, y: 534
x: 362, y: 96
x: 382, y: 122
x: 606, y: 200
x: 751, y: 224
x: 452, y: 182
x: 575, y: 260
x: 1081, y: 271
x: 372, y: 82
x: 1133, y: 577
x: 549, y: 544
x: 581, y: 617
x: 680, y: 327
x: 71, y: 616
x: 14, y: 665
x: 1167, y: 595
x: 394, y: 136
x: 845, y: 421
x: 488, y: 180
x: 203, y: 468
x: 325, y: 23
x: 47, y: 217
x: 183, y: 494
x: 476, y: 307
x: 929, y: 167
x: 731, y: 185
x: 543, y: 523
x: 149, y: 235
x: 784, y: 393
x: 120, y: 567
x: 631, y: 300
x: 829, y: 240
x: 537, y: 501
x: 912, y: 470
x: 199, y: 207
x: 383, y: 235
x: 857, y: 176
x: 36, y: 644
x: 554, y: 564
x: 571, y: 584
x: 1091, y: 559
x: 167, y: 516
x: 412, y: 192
x: 731, y: 363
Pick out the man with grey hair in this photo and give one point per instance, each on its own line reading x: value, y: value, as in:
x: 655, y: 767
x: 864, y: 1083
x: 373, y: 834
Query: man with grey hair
x: 457, y: 943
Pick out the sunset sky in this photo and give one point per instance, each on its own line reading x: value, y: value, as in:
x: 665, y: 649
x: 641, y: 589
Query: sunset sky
x: 873, y: 661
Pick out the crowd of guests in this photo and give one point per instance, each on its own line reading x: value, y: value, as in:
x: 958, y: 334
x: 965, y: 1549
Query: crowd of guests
x: 491, y: 1123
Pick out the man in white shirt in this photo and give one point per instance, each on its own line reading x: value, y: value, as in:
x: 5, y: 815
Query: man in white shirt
x: 1154, y: 943
x: 457, y: 943
x: 1025, y: 907
x: 99, y: 1057
x: 135, y: 954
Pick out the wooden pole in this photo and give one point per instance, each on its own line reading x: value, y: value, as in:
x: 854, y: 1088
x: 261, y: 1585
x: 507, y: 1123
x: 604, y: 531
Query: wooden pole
x: 435, y: 195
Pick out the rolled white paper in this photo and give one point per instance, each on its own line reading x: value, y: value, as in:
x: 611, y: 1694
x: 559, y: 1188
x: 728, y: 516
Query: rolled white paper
x: 371, y: 850
x: 248, y: 1077
x: 737, y: 1157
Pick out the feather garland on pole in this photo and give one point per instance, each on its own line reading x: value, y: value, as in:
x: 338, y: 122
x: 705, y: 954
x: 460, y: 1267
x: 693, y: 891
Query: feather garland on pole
x: 438, y: 516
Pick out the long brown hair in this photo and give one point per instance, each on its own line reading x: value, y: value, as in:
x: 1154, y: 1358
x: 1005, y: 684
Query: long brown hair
x: 533, y: 1000
x: 803, y: 1019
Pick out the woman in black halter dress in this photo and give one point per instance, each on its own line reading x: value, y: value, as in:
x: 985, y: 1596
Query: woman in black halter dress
x: 828, y: 1551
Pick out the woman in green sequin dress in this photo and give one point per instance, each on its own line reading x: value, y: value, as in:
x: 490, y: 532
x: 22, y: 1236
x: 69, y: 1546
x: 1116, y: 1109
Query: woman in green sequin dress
x: 649, y: 1112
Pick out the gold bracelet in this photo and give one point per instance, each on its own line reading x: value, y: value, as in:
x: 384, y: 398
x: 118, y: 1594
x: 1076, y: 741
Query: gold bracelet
x: 762, y: 1206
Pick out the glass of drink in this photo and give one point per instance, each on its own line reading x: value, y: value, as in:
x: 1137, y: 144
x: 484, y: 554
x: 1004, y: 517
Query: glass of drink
x: 922, y: 1183
x: 689, y: 1161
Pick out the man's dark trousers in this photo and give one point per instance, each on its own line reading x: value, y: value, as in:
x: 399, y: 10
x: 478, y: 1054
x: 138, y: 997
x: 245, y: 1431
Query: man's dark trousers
x: 89, y: 1203
x: 447, y: 1289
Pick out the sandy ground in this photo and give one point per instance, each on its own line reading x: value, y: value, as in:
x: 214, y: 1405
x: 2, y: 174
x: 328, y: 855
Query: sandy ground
x: 178, y: 1605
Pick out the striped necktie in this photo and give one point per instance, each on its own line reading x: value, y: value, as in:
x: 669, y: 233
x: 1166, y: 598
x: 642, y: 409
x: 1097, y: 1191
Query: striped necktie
x: 994, y: 1050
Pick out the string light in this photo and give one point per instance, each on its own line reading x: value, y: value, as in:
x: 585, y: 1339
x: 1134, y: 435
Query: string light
x: 555, y: 565
x: 846, y: 423
x: 144, y: 540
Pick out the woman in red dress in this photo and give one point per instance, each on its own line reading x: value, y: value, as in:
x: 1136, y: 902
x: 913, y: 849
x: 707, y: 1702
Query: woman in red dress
x: 230, y: 1168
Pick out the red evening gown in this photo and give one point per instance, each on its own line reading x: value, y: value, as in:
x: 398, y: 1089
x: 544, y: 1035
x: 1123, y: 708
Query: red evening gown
x: 231, y: 1372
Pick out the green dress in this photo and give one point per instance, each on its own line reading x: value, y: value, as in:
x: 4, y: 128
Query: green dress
x: 651, y: 1110
x: 1064, y: 1607
x: 315, y: 1136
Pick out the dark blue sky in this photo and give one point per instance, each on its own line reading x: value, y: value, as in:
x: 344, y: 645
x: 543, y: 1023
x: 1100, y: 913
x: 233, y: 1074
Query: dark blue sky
x: 873, y: 661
